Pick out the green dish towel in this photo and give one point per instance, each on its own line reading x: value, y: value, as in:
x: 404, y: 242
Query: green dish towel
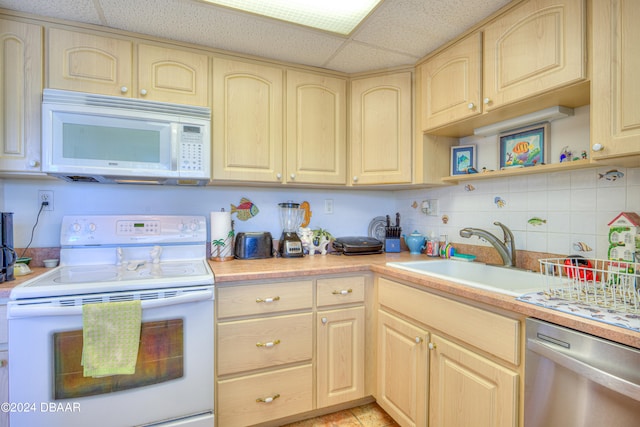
x: 111, y: 337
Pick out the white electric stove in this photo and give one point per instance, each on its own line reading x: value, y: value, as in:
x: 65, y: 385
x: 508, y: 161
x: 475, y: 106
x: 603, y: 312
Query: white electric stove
x: 158, y: 260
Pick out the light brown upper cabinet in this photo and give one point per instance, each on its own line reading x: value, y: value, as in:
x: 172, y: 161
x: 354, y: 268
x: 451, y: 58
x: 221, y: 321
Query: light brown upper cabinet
x: 536, y: 47
x: 247, y: 121
x: 528, y: 54
x: 381, y: 148
x: 316, y: 145
x: 452, y: 83
x: 21, y: 71
x: 105, y: 65
x: 615, y: 109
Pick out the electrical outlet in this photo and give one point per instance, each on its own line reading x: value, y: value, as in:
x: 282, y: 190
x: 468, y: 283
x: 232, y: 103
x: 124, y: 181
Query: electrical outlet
x: 328, y: 206
x: 45, y: 196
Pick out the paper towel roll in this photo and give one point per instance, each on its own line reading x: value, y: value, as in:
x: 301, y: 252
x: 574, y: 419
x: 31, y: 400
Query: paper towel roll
x: 221, y: 236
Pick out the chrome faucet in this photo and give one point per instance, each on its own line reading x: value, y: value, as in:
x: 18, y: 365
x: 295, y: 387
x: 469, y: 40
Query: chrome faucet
x: 507, y: 250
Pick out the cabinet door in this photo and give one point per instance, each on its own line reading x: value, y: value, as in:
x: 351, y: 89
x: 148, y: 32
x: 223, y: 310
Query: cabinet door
x: 533, y: 48
x: 247, y: 121
x: 469, y: 390
x: 340, y: 357
x: 615, y: 89
x: 90, y: 63
x: 403, y: 360
x: 21, y: 88
x: 316, y: 129
x: 451, y: 83
x: 381, y: 129
x: 172, y: 75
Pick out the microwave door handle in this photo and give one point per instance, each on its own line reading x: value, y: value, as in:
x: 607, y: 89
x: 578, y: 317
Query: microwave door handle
x: 21, y: 311
x: 592, y: 373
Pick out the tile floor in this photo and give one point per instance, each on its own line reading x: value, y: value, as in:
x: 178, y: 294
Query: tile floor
x: 370, y: 415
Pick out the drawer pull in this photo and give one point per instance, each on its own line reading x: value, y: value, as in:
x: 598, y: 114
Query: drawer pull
x: 267, y: 399
x: 342, y: 292
x: 267, y: 344
x: 268, y: 299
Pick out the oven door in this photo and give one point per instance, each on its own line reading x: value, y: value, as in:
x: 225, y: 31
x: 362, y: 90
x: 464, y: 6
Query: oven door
x: 173, y: 383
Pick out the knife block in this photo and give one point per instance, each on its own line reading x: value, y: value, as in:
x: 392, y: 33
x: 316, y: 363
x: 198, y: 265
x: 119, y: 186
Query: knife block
x: 392, y: 244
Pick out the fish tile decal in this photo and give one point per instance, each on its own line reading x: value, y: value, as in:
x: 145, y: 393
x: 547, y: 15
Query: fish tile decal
x: 612, y: 175
x: 535, y: 221
x: 245, y: 210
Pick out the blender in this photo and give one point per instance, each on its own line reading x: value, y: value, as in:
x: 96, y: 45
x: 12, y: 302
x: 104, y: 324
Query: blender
x: 291, y: 217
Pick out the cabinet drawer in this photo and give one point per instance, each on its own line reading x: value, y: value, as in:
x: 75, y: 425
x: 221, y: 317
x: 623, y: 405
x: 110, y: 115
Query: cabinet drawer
x: 341, y: 290
x: 491, y: 332
x: 259, y: 343
x: 264, y: 298
x: 240, y: 400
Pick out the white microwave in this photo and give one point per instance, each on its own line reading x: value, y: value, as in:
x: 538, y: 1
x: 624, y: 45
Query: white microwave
x: 108, y: 139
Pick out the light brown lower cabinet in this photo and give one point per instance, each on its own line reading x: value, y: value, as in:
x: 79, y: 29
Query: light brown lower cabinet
x: 265, y: 396
x: 403, y: 364
x: 446, y: 362
x: 272, y: 363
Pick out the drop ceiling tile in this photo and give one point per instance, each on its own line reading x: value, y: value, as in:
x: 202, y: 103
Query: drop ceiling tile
x: 222, y: 29
x: 418, y: 27
x: 78, y: 10
x: 356, y: 57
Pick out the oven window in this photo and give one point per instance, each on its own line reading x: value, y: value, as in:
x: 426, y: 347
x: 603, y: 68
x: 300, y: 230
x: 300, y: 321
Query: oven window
x: 160, y: 359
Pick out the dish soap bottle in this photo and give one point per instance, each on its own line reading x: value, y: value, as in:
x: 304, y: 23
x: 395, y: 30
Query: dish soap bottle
x: 444, y: 243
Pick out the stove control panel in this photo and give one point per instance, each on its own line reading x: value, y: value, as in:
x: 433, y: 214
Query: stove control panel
x: 92, y: 230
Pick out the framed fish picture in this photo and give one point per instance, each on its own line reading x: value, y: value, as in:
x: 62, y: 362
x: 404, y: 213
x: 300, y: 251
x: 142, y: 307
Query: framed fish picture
x: 524, y: 147
x: 463, y: 159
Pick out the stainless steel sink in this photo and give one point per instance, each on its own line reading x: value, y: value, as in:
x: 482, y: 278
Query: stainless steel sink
x: 509, y: 281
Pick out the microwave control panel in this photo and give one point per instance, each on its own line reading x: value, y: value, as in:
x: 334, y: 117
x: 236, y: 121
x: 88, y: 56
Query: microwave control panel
x: 191, y: 148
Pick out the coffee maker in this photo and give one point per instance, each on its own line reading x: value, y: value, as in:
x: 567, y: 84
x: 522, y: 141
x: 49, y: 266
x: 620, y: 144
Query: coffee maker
x: 7, y: 253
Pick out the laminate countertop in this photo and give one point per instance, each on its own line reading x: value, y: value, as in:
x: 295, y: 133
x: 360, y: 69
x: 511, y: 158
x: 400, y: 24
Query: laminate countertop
x: 288, y: 268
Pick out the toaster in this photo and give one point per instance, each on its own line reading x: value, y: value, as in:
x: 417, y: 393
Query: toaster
x: 253, y: 245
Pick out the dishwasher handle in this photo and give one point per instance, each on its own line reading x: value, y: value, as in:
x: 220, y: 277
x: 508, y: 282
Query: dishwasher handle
x: 585, y: 370
x: 37, y: 310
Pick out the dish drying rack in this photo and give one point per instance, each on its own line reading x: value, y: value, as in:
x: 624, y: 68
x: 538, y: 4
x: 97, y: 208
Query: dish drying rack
x: 613, y: 285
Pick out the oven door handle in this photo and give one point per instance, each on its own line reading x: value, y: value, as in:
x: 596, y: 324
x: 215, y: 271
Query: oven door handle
x: 36, y: 310
x: 583, y: 369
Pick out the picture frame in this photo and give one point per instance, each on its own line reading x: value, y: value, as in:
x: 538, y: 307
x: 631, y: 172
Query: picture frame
x: 524, y: 147
x: 463, y: 159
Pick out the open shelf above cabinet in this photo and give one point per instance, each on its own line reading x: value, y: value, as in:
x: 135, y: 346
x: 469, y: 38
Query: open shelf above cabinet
x: 548, y: 168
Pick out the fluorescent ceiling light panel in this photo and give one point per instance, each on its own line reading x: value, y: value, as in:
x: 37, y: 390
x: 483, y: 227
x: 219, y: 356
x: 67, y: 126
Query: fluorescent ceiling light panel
x: 336, y: 16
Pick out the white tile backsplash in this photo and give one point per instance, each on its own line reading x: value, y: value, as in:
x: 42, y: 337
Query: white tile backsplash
x: 576, y: 205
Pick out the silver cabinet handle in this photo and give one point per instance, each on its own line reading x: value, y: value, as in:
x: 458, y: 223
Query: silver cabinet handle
x: 324, y: 320
x: 486, y: 101
x: 342, y: 292
x: 124, y: 89
x: 267, y: 300
x: 471, y: 106
x: 419, y: 340
x: 355, y: 179
x: 268, y: 344
x: 268, y: 399
x: 278, y: 176
x: 292, y: 176
x: 597, y: 147
x: 592, y: 373
x: 143, y: 92
x: 432, y: 346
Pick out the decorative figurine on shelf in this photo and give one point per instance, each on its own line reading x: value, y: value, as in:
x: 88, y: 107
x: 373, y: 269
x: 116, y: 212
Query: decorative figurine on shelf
x: 565, y: 154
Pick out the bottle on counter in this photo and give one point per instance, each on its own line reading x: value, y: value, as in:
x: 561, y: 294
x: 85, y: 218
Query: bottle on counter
x: 432, y: 245
x: 444, y: 242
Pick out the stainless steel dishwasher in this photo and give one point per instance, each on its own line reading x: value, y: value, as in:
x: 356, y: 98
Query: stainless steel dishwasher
x: 573, y: 379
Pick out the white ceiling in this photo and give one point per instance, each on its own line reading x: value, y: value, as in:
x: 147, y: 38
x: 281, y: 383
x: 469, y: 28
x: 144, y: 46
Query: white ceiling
x: 398, y: 32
